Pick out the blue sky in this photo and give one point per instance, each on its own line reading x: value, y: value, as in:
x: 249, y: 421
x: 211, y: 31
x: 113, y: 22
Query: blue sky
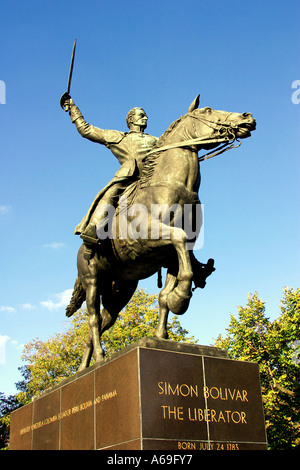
x: 240, y: 56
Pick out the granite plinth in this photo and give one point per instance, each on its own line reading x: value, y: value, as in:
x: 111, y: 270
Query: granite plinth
x: 152, y: 395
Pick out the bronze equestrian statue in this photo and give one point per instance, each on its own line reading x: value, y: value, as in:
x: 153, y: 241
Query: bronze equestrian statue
x: 147, y: 217
x: 161, y: 173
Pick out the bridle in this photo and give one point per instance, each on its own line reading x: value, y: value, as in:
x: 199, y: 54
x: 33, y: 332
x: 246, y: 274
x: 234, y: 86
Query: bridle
x: 226, y: 130
x: 227, y: 127
x: 222, y: 128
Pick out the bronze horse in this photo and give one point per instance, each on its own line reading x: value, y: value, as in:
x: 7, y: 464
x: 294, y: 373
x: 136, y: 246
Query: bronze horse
x: 170, y: 178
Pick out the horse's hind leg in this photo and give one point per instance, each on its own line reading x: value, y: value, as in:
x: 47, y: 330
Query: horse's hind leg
x: 113, y: 301
x: 88, y: 352
x: 161, y: 330
x: 93, y: 307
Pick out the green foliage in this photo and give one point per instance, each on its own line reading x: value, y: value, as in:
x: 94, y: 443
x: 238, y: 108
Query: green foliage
x: 253, y: 337
x: 51, y: 361
x: 138, y: 320
x: 7, y: 405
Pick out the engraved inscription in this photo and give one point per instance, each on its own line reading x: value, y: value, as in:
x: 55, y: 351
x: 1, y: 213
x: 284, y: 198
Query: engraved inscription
x: 210, y: 415
x: 186, y: 445
x: 71, y: 411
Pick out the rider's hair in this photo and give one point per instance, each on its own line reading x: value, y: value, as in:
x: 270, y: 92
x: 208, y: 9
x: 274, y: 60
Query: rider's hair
x: 130, y: 114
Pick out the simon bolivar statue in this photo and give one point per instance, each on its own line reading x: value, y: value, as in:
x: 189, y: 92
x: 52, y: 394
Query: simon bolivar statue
x: 128, y: 147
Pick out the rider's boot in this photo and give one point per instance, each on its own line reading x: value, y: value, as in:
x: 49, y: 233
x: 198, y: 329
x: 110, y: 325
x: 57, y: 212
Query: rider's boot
x: 89, y: 236
x: 90, y: 242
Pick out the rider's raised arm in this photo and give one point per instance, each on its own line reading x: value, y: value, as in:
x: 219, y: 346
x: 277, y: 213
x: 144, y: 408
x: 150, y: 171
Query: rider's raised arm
x: 93, y: 133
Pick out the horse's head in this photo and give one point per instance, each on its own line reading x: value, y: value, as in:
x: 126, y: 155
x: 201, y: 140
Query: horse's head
x: 219, y: 126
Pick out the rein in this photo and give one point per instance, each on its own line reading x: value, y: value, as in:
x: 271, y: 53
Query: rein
x: 222, y: 149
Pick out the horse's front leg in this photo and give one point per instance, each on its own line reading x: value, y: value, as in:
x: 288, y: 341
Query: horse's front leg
x: 161, y: 330
x: 179, y: 298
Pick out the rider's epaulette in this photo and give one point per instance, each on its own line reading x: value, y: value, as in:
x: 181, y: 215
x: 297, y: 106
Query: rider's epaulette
x: 113, y: 137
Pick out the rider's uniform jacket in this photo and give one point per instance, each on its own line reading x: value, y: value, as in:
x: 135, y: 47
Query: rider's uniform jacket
x: 129, y: 148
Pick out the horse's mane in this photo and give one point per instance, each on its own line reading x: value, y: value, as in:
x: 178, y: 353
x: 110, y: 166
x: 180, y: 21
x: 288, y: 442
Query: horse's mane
x: 151, y: 160
x: 162, y: 140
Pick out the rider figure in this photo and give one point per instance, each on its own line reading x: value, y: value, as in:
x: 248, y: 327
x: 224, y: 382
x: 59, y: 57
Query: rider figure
x: 129, y: 148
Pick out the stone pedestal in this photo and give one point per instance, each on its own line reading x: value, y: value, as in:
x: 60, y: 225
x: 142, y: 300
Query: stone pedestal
x: 152, y: 395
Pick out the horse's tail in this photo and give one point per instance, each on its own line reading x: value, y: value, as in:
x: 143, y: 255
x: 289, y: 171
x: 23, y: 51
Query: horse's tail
x: 77, y: 299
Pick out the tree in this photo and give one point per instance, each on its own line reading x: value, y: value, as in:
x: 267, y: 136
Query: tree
x: 253, y: 337
x: 51, y: 361
x: 7, y: 406
x: 10, y: 403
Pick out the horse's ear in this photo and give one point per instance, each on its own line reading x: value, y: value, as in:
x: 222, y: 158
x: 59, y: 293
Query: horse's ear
x: 194, y: 104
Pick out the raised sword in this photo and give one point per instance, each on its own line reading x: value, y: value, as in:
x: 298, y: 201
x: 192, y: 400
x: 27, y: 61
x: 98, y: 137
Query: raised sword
x: 66, y: 95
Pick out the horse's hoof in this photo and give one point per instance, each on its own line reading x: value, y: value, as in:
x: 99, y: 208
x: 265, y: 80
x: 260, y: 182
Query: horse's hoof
x: 99, y: 357
x: 99, y: 362
x: 162, y: 335
x: 177, y: 302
